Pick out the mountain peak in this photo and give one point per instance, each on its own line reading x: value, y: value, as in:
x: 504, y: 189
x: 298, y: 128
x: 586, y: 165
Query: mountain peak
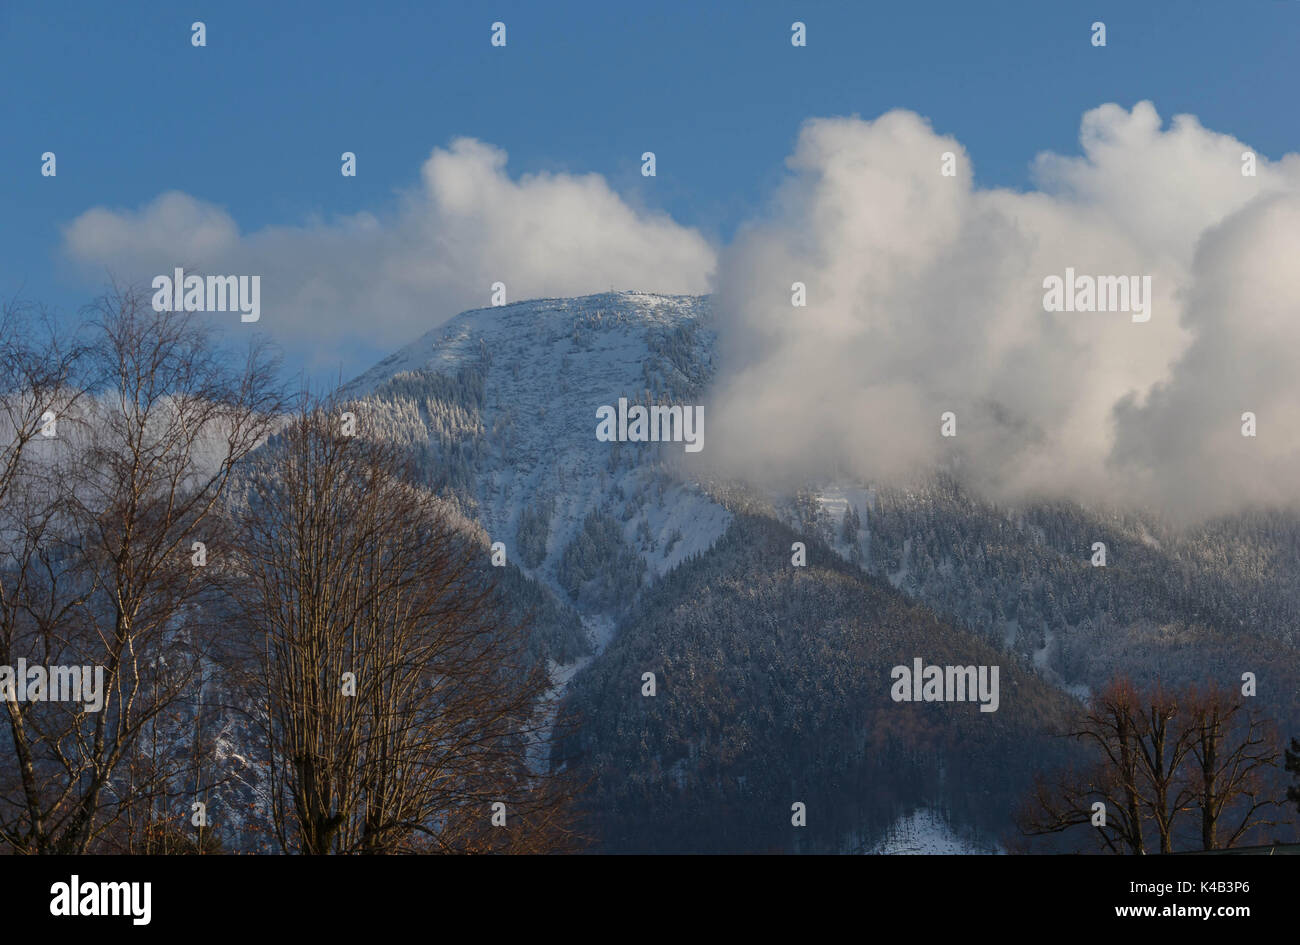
x: 544, y: 319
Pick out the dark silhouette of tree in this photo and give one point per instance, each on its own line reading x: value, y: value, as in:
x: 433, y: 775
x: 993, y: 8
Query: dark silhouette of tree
x: 1152, y: 759
x: 398, y: 700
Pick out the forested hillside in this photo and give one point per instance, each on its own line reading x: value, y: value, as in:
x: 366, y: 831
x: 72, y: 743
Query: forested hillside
x: 1183, y: 605
x: 773, y: 679
x: 773, y: 686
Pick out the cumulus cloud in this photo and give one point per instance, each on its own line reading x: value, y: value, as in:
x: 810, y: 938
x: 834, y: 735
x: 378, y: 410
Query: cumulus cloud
x: 925, y: 295
x: 387, y: 280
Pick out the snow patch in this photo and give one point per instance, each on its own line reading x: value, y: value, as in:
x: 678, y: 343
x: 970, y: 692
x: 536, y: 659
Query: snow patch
x: 924, y: 832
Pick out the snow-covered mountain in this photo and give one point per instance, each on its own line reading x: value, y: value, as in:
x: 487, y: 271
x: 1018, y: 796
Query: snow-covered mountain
x: 500, y: 404
x: 671, y: 572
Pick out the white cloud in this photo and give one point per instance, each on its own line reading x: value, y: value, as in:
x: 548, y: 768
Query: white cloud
x: 385, y: 281
x: 925, y: 295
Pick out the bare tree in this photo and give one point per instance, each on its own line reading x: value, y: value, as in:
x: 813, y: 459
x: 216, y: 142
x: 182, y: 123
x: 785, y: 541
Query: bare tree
x: 1154, y: 758
x: 40, y: 378
x: 102, y: 570
x: 397, y: 699
x: 1108, y: 729
x: 1162, y: 736
x: 1232, y: 749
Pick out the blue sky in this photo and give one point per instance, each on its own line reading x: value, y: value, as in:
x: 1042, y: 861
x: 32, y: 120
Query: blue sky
x: 255, y: 122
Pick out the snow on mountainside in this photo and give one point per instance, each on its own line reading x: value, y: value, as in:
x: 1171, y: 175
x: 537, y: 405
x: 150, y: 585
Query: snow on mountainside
x: 924, y: 832
x: 501, y: 403
x: 499, y: 410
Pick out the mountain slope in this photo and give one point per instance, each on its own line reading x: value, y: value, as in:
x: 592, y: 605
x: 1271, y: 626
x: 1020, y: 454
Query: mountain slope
x: 499, y: 409
x: 499, y: 406
x: 773, y: 686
